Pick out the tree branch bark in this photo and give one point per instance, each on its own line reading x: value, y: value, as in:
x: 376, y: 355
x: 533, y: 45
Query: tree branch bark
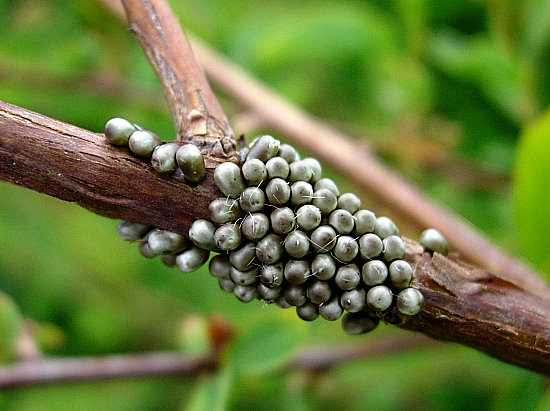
x: 463, y: 303
x: 195, y: 109
x: 77, y: 165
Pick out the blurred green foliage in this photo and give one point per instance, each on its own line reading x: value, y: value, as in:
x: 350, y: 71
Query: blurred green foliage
x: 443, y: 91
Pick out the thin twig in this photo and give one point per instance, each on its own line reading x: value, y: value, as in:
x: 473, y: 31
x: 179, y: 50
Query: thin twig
x: 56, y: 370
x: 323, y: 357
x: 195, y: 109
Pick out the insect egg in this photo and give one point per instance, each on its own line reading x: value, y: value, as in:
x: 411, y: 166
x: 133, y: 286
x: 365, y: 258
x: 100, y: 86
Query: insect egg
x: 244, y: 277
x: 288, y: 152
x: 295, y: 295
x: 227, y: 177
x: 277, y: 167
x: 300, y: 193
x: 201, y: 233
x: 331, y: 310
x: 131, y: 231
x: 328, y: 184
x: 272, y: 275
x: 394, y: 248
x: 299, y: 171
x: 346, y: 248
x: 191, y: 162
x: 400, y: 273
x: 277, y: 192
x: 243, y: 257
x: 323, y: 266
x: 165, y: 242
x: 318, y: 291
x: 342, y: 221
x: 118, y: 131
x: 283, y: 220
x: 358, y: 323
x: 269, y: 249
x: 354, y: 300
x: 228, y: 237
x: 308, y: 217
x: 409, y: 301
x: 297, y: 244
x: 433, y: 240
x: 245, y: 293
x: 254, y: 171
x: 347, y: 277
x: 226, y: 284
x: 379, y: 298
x: 349, y: 202
x: 268, y: 294
x: 296, y: 271
x: 255, y: 226
x: 307, y: 312
x: 370, y: 246
x: 323, y: 239
x: 190, y: 260
x: 219, y: 266
x: 163, y: 158
x: 224, y: 210
x: 325, y: 200
x: 385, y: 227
x: 252, y: 199
x: 315, y: 166
x: 374, y: 272
x: 143, y: 142
x: 264, y: 148
x: 365, y: 221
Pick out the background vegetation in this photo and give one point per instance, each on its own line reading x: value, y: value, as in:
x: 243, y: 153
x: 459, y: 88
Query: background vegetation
x: 452, y: 94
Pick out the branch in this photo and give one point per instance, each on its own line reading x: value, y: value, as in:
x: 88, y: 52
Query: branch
x: 468, y: 305
x: 55, y: 370
x: 463, y: 303
x: 76, y: 165
x: 49, y: 371
x: 358, y: 164
x: 196, y: 112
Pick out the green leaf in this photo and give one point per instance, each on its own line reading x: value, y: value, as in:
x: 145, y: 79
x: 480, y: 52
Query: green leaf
x: 484, y: 62
x: 265, y: 347
x: 213, y: 393
x: 10, y: 327
x: 531, y: 188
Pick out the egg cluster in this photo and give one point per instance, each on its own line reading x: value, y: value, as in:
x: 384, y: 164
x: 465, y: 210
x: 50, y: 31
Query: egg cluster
x: 285, y: 235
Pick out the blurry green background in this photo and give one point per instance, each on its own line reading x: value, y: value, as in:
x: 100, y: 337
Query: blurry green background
x: 453, y: 95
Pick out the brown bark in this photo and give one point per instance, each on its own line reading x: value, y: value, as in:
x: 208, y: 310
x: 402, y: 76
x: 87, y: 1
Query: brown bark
x: 76, y: 165
x: 197, y: 113
x: 471, y: 306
